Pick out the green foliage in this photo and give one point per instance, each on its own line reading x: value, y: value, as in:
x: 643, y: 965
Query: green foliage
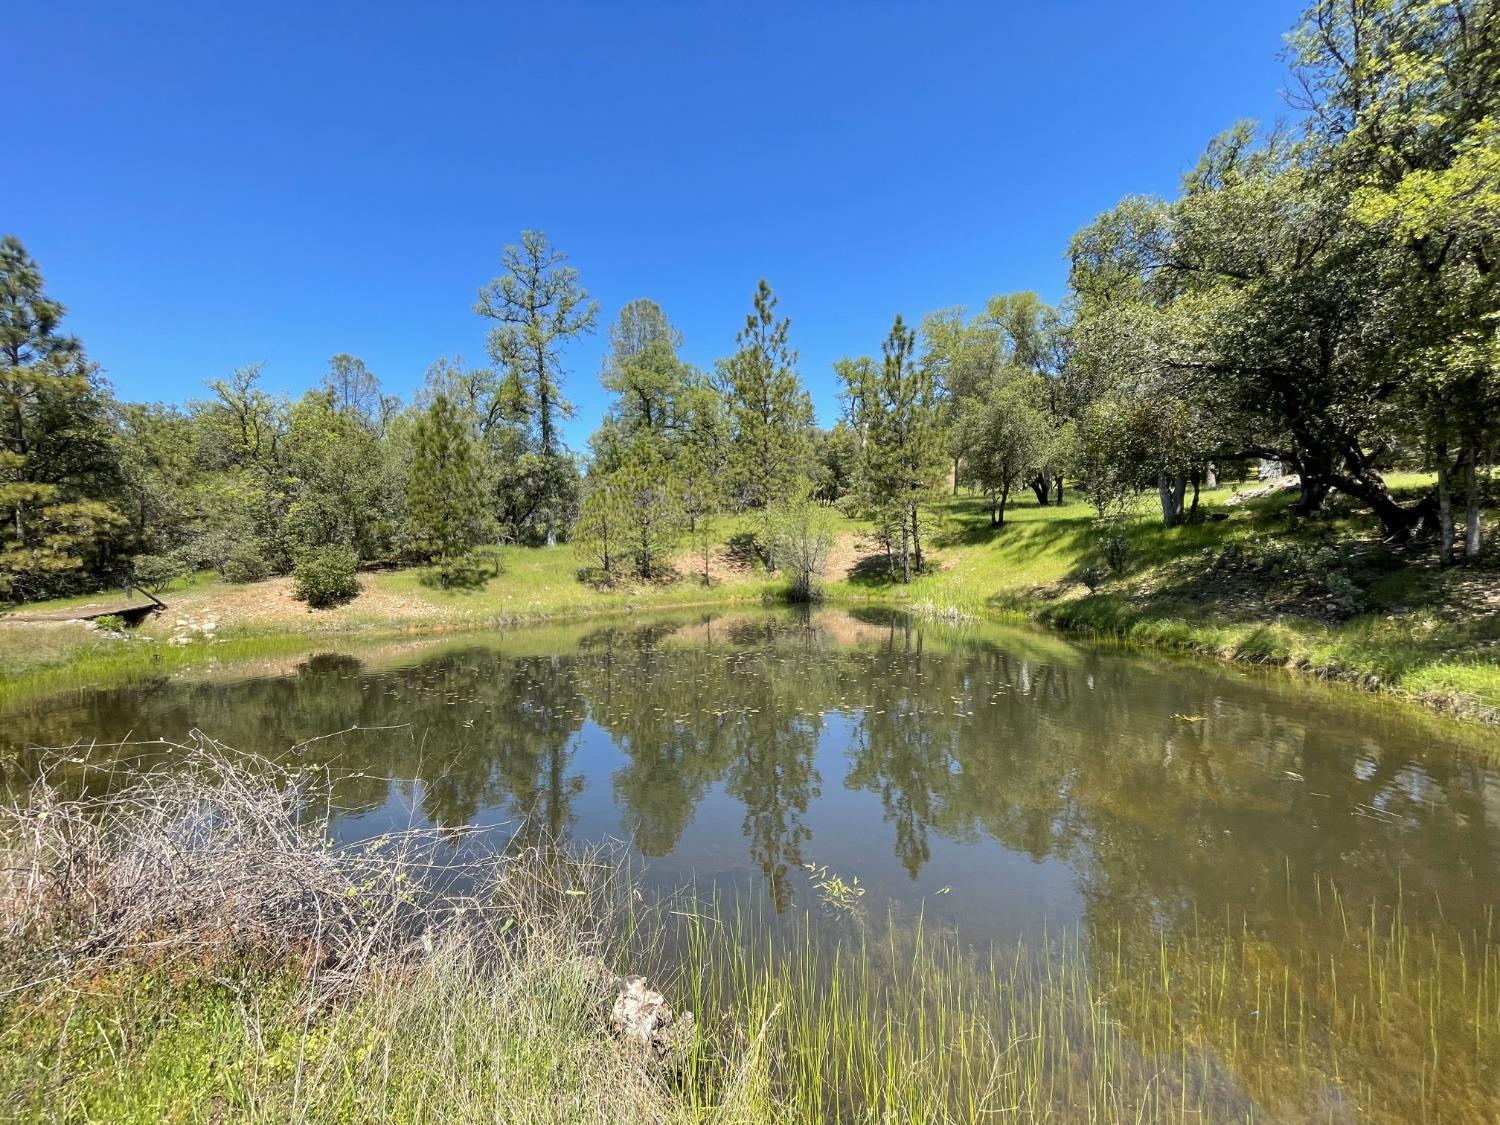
x: 598, y: 535
x: 154, y: 573
x: 637, y: 510
x: 339, y: 492
x: 804, y: 537
x: 59, y: 477
x: 894, y: 407
x: 1003, y: 437
x: 444, y: 500
x: 770, y: 414
x: 1115, y: 549
x: 325, y: 576
x: 538, y: 307
x: 244, y: 562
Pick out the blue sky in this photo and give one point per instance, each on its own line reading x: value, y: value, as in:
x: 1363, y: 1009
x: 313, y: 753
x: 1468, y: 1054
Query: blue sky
x: 211, y: 185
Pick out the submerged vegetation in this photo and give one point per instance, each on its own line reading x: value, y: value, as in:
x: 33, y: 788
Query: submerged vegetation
x: 183, y: 940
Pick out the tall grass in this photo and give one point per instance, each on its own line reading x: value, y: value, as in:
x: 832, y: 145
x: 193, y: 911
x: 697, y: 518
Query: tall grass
x: 188, y: 944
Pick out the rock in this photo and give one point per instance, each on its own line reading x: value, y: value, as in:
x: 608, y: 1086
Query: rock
x: 643, y: 1018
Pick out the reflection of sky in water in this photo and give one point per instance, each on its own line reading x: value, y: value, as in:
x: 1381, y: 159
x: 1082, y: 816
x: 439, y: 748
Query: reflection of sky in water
x: 1007, y: 893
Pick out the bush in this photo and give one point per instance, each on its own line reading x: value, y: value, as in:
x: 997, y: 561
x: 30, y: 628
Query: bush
x: 1092, y: 576
x: 324, y: 576
x: 803, y: 534
x: 1114, y: 546
x: 153, y: 573
x: 245, y: 563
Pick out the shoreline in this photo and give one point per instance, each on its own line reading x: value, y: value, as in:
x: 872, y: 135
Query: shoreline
x: 114, y: 660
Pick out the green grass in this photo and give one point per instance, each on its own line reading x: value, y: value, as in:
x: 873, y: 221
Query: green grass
x: 803, y: 1019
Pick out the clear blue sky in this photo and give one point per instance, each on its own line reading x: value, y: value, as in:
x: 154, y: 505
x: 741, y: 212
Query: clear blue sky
x: 210, y: 185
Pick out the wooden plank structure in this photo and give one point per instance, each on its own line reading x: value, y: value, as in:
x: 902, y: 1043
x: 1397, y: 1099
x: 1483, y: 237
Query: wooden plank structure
x: 131, y: 608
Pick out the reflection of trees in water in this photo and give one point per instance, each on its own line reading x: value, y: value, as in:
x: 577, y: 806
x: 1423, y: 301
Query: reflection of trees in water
x: 734, y: 706
x: 1051, y: 752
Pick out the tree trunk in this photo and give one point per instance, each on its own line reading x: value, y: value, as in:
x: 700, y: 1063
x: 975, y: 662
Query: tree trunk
x: 1004, y: 496
x: 1314, y: 490
x: 905, y: 551
x: 1472, y: 533
x: 994, y: 510
x: 955, y: 476
x: 916, y: 538
x: 1059, y: 490
x: 1397, y: 522
x: 1193, y: 510
x: 1041, y: 484
x: 1165, y: 494
x: 1210, y: 476
x: 1445, y: 508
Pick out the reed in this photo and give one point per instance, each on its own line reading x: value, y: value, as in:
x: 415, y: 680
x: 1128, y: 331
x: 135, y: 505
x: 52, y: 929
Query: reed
x: 188, y: 943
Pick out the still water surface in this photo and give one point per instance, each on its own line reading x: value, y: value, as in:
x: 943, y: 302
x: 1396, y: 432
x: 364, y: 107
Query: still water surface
x: 1007, y: 782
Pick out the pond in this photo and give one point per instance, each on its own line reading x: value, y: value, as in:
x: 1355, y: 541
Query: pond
x: 1004, y: 783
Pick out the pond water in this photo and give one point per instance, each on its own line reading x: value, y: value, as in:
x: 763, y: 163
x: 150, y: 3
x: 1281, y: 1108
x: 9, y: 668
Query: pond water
x: 1006, y: 781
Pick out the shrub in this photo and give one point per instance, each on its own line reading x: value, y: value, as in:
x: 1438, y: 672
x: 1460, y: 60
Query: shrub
x: 111, y: 622
x: 324, y: 576
x: 245, y: 563
x: 153, y: 573
x: 803, y: 533
x: 1114, y: 547
x: 1092, y: 576
x: 1347, y: 594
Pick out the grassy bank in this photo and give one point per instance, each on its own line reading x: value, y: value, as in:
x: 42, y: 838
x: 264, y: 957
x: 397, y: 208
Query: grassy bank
x: 1247, y: 582
x: 156, y: 970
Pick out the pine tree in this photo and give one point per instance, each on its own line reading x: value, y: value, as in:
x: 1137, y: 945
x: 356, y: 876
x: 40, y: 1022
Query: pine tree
x: 894, y: 411
x: 650, y: 498
x: 599, y: 532
x: 770, y: 414
x: 643, y: 371
x: 444, y: 498
x: 538, y: 307
x: 58, y: 471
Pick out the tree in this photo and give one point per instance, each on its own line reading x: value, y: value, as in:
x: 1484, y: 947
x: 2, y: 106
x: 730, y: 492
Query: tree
x: 355, y: 391
x: 895, y: 408
x: 804, y: 533
x: 650, y: 504
x: 835, y: 459
x: 642, y: 370
x: 598, y: 534
x: 770, y: 414
x: 538, y: 307
x: 154, y: 446
x: 1255, y: 299
x: 1003, y: 437
x: 444, y: 499
x: 245, y: 490
x: 339, y: 487
x: 1403, y: 119
x: 58, y: 473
